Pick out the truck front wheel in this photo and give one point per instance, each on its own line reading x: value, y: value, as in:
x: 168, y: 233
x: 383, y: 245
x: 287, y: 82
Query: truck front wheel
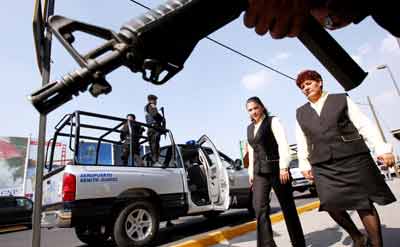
x: 136, y: 225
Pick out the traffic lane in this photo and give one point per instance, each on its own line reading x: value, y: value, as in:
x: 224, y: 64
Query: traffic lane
x: 49, y: 238
x: 188, y: 226
x: 182, y: 228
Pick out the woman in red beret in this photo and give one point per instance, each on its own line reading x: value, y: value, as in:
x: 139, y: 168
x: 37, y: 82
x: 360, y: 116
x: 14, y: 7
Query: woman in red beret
x: 331, y: 135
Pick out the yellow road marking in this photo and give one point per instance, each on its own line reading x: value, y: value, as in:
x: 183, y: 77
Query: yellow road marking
x: 12, y: 228
x: 231, y: 232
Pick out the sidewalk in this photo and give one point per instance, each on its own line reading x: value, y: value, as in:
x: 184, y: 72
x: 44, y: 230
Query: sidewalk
x: 319, y: 229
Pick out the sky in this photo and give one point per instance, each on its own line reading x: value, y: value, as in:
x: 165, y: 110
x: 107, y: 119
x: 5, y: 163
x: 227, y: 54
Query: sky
x: 208, y: 96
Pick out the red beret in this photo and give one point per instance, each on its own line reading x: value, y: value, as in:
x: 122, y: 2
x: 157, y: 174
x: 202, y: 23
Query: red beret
x: 308, y: 75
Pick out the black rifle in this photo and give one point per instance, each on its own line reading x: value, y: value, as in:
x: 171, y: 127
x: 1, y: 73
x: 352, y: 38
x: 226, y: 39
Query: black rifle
x: 160, y: 41
x: 164, y: 121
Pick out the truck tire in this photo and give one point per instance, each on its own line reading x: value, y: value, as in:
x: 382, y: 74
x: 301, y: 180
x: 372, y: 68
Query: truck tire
x: 92, y: 235
x: 136, y: 225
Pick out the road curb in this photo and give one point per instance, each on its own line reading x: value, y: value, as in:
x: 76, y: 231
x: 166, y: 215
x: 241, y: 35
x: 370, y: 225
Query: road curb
x: 12, y: 228
x: 218, y: 236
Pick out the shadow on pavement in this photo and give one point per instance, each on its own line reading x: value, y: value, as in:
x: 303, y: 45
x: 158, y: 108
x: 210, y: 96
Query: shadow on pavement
x: 304, y: 196
x: 332, y: 237
x: 202, y: 225
x: 326, y: 237
x: 196, y: 226
x: 391, y: 236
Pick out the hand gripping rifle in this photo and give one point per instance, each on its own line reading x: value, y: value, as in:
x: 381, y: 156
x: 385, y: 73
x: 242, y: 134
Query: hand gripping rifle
x: 158, y: 43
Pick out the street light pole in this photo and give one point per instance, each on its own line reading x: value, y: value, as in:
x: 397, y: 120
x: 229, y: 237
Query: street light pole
x: 44, y: 65
x: 376, y: 118
x: 384, y: 66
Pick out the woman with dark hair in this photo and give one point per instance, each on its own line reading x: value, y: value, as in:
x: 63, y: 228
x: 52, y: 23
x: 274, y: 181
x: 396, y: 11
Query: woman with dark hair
x: 268, y: 168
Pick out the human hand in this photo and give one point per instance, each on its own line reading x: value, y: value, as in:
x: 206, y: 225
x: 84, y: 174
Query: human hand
x: 251, y: 178
x: 284, y: 176
x: 280, y: 17
x: 328, y: 20
x: 308, y: 174
x: 335, y: 14
x: 387, y: 159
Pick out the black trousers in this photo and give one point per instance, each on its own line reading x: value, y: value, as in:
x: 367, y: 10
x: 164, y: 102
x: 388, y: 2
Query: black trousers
x: 154, y: 141
x: 262, y: 185
x: 128, y: 149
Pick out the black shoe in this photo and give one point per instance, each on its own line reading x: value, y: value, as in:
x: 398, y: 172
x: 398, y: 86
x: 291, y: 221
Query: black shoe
x: 368, y: 243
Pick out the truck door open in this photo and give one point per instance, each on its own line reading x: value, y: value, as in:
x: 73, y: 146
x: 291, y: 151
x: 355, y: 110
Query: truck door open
x: 218, y: 182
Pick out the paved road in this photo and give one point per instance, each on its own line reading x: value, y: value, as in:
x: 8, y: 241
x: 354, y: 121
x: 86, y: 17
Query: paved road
x: 183, y: 228
x: 321, y: 231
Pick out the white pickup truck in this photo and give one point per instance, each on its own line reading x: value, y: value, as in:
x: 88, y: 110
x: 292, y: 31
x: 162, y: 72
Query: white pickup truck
x: 102, y: 197
x: 299, y: 182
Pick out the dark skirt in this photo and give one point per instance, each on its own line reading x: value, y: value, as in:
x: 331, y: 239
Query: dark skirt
x: 350, y: 183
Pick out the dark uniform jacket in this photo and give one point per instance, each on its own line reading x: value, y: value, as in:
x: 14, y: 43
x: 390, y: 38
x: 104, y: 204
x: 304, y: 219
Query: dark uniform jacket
x: 136, y: 129
x: 330, y: 135
x: 266, y: 153
x: 153, y: 117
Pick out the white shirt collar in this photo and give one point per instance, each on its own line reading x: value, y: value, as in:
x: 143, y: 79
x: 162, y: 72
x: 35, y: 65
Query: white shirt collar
x: 321, y: 99
x: 320, y: 102
x: 261, y: 120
